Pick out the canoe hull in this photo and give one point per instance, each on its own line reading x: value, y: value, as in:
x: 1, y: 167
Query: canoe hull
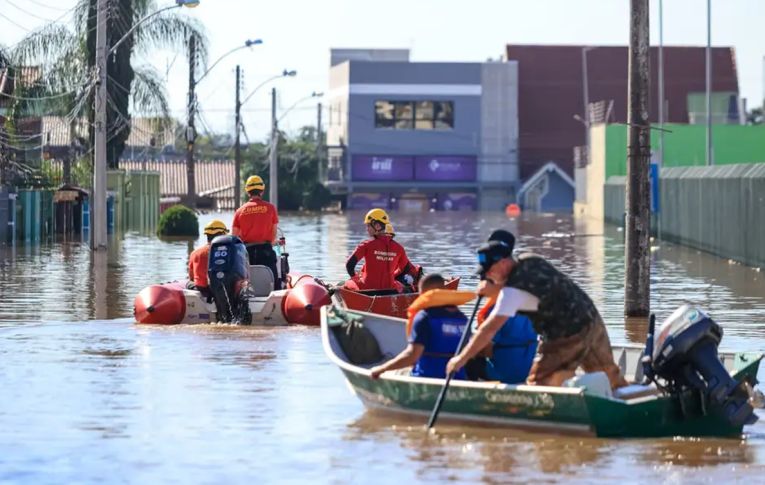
x: 389, y: 305
x: 557, y: 409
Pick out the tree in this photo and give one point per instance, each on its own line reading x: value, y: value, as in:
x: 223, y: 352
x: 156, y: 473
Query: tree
x: 299, y: 184
x: 67, y: 56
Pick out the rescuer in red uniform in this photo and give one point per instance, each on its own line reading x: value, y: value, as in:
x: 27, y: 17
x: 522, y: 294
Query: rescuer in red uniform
x: 384, y: 258
x: 198, y: 259
x: 255, y: 223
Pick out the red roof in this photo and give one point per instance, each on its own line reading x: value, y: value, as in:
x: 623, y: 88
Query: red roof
x: 550, y: 92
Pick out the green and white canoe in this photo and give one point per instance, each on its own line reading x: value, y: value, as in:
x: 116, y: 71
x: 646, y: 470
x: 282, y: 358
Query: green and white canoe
x: 645, y: 412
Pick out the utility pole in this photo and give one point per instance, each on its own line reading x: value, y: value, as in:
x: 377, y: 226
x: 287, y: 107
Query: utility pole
x: 586, y: 97
x: 661, y: 83
x: 273, y: 166
x: 191, y: 192
x: 98, y: 238
x: 237, y: 146
x: 637, y: 255
x: 319, y: 143
x: 710, y: 152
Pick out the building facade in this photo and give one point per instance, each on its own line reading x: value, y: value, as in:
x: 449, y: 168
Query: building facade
x: 421, y: 136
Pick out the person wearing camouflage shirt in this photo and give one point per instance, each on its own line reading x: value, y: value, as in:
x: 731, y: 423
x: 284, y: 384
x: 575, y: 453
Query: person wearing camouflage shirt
x: 571, y: 330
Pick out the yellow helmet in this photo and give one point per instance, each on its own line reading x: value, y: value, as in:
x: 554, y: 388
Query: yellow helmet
x: 216, y: 227
x: 254, y: 182
x: 378, y: 215
x: 389, y: 229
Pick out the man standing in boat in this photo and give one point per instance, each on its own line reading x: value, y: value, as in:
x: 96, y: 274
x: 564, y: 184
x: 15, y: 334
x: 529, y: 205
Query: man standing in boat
x: 255, y: 223
x: 571, y: 330
x: 384, y: 258
x: 198, y: 260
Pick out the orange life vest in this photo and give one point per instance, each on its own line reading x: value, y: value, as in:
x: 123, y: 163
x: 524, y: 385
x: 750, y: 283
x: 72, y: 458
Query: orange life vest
x: 435, y: 298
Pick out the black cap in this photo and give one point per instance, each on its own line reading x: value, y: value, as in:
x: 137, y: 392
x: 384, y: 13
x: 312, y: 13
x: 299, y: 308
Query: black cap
x: 490, y: 253
x: 503, y: 236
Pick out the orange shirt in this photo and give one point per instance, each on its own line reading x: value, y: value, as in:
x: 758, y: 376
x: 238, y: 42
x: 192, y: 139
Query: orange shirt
x: 383, y: 257
x: 198, y: 266
x: 255, y: 221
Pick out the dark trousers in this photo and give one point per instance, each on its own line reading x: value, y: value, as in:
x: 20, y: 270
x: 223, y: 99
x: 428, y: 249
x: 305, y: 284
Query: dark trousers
x: 264, y: 255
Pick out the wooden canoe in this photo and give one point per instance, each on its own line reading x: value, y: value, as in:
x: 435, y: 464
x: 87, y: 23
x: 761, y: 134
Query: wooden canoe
x: 646, y: 412
x: 391, y: 305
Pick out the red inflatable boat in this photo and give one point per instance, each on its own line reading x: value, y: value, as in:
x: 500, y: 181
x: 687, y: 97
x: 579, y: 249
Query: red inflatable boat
x: 172, y: 303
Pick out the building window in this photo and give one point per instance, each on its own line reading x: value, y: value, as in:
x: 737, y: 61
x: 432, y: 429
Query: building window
x: 417, y: 115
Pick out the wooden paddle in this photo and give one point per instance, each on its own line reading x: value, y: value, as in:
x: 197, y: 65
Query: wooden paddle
x: 463, y: 341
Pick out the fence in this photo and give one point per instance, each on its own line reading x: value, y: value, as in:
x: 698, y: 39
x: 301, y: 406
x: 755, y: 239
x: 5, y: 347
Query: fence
x: 718, y: 209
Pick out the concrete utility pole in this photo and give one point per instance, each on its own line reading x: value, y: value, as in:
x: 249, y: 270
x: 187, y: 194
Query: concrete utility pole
x: 191, y: 192
x: 273, y: 166
x: 710, y: 147
x: 637, y: 248
x: 237, y: 146
x: 98, y: 239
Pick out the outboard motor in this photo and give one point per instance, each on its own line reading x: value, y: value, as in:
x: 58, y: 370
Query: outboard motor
x: 685, y: 357
x: 228, y: 276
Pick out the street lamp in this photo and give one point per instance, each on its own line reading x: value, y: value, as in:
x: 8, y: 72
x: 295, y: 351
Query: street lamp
x: 284, y: 73
x: 238, y: 123
x: 98, y: 238
x: 273, y: 172
x: 247, y: 43
x: 294, y: 105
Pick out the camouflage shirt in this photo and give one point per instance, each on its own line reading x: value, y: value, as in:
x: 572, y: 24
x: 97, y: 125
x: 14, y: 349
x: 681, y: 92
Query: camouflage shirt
x: 564, y: 308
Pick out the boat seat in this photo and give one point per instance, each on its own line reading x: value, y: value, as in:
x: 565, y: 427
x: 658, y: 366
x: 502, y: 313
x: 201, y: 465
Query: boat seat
x: 634, y: 391
x: 261, y: 280
x: 594, y: 383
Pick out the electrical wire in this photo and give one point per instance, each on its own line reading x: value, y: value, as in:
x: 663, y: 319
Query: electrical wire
x: 9, y: 2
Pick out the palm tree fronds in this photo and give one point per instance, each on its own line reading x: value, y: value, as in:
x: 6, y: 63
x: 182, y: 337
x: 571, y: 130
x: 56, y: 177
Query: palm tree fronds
x: 169, y: 30
x: 148, y: 92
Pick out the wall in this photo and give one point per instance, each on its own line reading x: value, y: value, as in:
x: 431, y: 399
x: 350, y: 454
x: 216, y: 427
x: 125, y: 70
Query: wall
x: 686, y: 146
x: 591, y: 178
x: 719, y: 209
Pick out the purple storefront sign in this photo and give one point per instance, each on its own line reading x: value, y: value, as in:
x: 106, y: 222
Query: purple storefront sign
x: 368, y: 201
x: 382, y: 168
x: 445, y: 168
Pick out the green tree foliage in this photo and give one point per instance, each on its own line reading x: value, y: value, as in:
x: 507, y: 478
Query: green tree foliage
x: 755, y: 116
x: 178, y: 220
x: 66, y: 55
x: 300, y: 187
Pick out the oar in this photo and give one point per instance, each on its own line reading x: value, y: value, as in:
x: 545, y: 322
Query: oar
x: 463, y: 341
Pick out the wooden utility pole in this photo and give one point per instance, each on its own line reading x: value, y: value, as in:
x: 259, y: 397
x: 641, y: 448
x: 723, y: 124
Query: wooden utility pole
x: 98, y: 238
x: 273, y: 166
x: 637, y: 247
x: 191, y: 192
x: 237, y: 145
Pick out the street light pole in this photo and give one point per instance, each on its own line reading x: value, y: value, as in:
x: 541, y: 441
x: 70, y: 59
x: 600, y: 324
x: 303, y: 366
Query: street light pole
x: 586, y: 97
x: 237, y: 146
x: 191, y: 129
x: 273, y: 165
x: 710, y: 147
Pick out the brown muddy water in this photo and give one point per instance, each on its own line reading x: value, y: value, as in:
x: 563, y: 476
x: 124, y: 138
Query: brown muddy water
x: 89, y: 397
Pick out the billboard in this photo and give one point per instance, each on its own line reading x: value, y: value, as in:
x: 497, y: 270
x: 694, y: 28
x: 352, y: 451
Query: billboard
x: 373, y: 168
x: 445, y: 168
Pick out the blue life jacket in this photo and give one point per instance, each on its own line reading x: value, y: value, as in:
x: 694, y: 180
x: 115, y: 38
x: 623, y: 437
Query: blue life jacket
x: 441, y: 338
x: 515, y: 345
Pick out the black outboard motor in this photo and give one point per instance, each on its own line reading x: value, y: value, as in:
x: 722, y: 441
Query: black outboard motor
x: 228, y: 274
x: 685, y: 356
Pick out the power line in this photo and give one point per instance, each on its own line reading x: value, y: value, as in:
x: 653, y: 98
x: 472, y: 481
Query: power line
x: 9, y: 2
x: 14, y: 22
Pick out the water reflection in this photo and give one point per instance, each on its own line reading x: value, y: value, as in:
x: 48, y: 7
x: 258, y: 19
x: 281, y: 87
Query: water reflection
x: 85, y: 401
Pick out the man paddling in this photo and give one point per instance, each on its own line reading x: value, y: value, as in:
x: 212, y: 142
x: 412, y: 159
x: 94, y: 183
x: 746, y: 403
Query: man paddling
x: 198, y: 260
x: 256, y: 225
x: 384, y: 258
x: 571, y: 330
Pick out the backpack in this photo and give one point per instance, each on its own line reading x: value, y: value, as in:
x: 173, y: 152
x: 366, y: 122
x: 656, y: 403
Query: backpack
x: 357, y: 341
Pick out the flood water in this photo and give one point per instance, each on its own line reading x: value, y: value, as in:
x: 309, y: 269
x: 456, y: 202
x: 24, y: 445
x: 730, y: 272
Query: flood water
x: 89, y: 397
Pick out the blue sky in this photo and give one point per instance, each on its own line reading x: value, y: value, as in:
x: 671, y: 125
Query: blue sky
x: 298, y: 34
